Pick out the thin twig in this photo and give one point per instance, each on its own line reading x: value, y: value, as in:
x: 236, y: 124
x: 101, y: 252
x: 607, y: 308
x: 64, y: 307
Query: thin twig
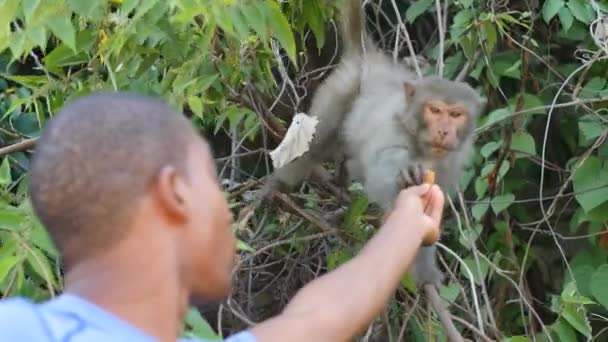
x: 314, y: 219
x: 21, y: 146
x: 440, y: 64
x: 408, y: 40
x: 472, y: 328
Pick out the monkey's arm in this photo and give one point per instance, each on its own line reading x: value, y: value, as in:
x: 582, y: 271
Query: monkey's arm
x: 340, y: 304
x: 381, y: 172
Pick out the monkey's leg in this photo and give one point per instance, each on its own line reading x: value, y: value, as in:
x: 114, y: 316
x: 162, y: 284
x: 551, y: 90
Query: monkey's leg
x: 425, y: 270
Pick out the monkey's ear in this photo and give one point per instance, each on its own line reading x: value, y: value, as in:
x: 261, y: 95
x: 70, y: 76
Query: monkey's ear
x: 410, y: 89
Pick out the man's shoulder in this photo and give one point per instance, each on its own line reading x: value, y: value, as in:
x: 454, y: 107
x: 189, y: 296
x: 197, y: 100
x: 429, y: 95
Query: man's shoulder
x: 244, y: 336
x: 19, y: 319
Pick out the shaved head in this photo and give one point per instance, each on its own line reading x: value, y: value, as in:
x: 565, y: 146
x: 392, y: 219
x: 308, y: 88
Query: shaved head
x: 94, y: 162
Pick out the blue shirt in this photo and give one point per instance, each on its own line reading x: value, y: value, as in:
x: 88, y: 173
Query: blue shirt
x: 68, y: 318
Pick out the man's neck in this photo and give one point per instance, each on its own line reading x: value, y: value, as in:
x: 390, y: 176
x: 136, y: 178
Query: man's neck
x: 149, y: 300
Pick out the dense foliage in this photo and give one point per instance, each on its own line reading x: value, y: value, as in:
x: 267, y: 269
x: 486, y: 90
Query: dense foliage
x: 529, y: 226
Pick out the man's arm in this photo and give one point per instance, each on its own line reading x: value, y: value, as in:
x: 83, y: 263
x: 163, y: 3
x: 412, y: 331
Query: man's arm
x: 340, y: 304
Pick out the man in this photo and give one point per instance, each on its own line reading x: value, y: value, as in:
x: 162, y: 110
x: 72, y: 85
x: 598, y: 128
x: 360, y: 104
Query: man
x: 129, y: 194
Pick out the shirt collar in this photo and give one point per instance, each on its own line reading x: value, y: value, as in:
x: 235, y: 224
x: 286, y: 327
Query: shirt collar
x: 97, y: 316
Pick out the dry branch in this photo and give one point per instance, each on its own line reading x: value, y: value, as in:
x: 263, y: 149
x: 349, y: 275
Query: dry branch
x: 18, y: 147
x: 312, y: 218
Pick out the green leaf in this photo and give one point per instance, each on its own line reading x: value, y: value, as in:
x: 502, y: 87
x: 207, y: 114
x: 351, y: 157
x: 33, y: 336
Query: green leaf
x: 144, y: 7
x: 6, y: 264
x: 551, y: 8
x: 450, y: 292
x: 11, y: 219
x: 564, y: 331
x: 62, y: 27
x: 577, y: 319
x: 353, y: 215
x: 490, y: 148
x: 466, y: 3
x: 5, y: 172
x: 91, y: 9
x: 41, y: 238
x: 478, y: 274
x: 460, y: 24
x: 416, y: 8
x: 581, y: 10
x: 590, y: 128
x: 489, y: 31
x: 470, y: 236
x: 282, y: 30
x: 196, y: 105
x: 599, y: 285
x: 17, y: 43
x: 518, y: 339
x: 591, y: 183
x: 256, y: 19
x: 481, y: 187
x: 200, y: 328
x: 337, y: 257
x: 243, y: 246
x: 523, y: 142
x: 582, y: 275
x: 38, y: 36
x: 207, y: 82
x: 127, y: 6
x: 479, y: 210
x: 238, y: 20
x: 593, y: 87
x: 314, y: 16
x: 29, y: 7
x: 502, y: 202
x: 497, y: 115
x: 8, y: 11
x: 40, y: 264
x: 566, y: 18
x: 530, y: 101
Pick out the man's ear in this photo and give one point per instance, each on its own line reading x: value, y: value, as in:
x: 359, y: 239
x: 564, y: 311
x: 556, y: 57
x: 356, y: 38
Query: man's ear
x: 170, y: 192
x: 410, y: 89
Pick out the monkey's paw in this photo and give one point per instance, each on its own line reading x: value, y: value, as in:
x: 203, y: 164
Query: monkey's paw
x: 411, y: 176
x: 431, y: 275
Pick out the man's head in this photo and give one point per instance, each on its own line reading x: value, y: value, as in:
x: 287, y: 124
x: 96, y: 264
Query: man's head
x: 108, y: 163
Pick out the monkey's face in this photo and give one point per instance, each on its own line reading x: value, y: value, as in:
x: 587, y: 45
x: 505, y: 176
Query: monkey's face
x: 443, y: 126
x: 442, y: 113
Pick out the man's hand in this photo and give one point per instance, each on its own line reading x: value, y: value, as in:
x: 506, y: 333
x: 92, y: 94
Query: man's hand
x: 419, y: 207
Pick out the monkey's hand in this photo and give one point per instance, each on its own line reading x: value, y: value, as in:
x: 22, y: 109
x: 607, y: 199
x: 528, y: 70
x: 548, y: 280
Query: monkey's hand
x: 411, y: 175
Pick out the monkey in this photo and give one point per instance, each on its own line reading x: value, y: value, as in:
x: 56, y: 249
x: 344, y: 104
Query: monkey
x: 390, y: 125
x: 398, y: 128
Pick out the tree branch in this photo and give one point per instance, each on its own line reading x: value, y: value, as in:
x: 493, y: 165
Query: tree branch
x: 18, y: 147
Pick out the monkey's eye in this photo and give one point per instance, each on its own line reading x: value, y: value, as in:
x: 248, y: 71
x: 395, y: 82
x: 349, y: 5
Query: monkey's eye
x: 455, y: 115
x: 435, y: 110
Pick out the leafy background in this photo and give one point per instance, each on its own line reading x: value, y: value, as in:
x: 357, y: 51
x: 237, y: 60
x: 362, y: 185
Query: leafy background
x: 529, y: 223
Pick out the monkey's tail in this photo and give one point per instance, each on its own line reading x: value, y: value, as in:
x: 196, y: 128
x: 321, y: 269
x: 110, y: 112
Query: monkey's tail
x: 354, y: 34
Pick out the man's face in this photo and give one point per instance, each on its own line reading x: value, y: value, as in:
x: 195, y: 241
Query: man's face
x: 209, y: 242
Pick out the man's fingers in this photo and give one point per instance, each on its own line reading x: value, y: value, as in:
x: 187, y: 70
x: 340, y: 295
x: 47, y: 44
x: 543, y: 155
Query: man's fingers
x: 436, y: 200
x: 418, y: 190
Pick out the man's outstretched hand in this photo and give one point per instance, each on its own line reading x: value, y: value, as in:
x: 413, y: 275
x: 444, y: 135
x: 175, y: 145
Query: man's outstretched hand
x: 419, y: 207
